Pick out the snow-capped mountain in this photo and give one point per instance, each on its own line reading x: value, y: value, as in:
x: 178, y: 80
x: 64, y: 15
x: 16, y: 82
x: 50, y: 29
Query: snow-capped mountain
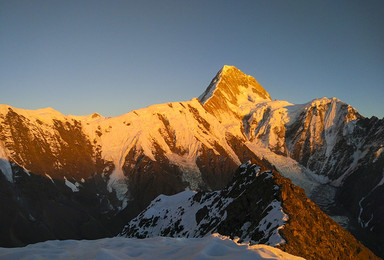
x: 112, y: 168
x: 259, y: 206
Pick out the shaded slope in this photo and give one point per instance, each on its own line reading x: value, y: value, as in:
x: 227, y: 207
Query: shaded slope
x: 35, y: 208
x: 258, y: 206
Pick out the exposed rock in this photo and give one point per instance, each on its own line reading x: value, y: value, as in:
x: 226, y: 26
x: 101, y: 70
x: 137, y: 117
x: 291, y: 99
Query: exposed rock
x: 258, y: 206
x: 35, y: 208
x: 230, y: 91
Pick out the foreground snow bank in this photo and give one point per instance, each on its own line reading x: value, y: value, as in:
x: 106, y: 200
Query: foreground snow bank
x: 211, y: 247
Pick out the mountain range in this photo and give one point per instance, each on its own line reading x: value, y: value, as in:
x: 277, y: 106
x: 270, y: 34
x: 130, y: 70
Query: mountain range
x: 85, y: 177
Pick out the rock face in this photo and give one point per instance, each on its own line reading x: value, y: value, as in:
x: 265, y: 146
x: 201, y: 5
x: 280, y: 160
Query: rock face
x: 57, y: 146
x: 231, y: 93
x: 127, y: 161
x: 259, y: 206
x: 35, y: 208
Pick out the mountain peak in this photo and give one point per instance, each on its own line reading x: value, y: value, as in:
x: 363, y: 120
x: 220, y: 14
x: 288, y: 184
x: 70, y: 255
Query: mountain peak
x: 228, y: 67
x: 232, y: 90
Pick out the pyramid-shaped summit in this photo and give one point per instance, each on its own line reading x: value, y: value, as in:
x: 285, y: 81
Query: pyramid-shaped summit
x: 232, y: 91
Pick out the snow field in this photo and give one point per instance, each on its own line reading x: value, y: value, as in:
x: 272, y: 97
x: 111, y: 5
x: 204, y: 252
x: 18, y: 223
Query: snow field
x: 119, y: 248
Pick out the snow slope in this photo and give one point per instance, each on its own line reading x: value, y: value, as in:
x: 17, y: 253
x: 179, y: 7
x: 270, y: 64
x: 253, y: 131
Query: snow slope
x: 211, y: 247
x: 191, y: 214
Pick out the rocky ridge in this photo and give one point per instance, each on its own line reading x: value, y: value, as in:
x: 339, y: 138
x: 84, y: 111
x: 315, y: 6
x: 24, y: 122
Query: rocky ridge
x: 259, y: 206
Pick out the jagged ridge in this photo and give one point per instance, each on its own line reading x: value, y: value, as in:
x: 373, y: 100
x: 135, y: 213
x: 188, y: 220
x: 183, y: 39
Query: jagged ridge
x: 258, y: 206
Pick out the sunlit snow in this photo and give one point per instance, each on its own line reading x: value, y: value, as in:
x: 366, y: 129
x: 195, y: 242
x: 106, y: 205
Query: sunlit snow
x: 118, y: 248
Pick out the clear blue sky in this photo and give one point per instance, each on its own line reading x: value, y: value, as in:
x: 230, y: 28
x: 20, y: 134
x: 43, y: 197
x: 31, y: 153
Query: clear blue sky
x: 111, y: 57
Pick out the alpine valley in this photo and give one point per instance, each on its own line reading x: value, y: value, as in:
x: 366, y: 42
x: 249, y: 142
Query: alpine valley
x: 236, y: 162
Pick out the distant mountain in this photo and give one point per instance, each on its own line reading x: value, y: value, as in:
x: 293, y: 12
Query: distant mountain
x: 109, y: 169
x: 258, y: 207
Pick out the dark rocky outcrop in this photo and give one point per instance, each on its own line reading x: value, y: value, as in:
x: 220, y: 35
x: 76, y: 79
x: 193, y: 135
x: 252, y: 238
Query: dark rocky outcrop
x: 258, y: 206
x: 35, y: 208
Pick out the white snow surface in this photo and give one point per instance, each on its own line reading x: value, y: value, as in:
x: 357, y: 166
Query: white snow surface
x: 266, y: 121
x: 119, y: 248
x: 289, y: 168
x: 170, y: 209
x: 5, y: 167
x: 275, y: 217
x: 70, y: 185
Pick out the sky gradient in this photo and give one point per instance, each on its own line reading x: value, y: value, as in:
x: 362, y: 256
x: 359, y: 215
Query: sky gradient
x: 111, y: 57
